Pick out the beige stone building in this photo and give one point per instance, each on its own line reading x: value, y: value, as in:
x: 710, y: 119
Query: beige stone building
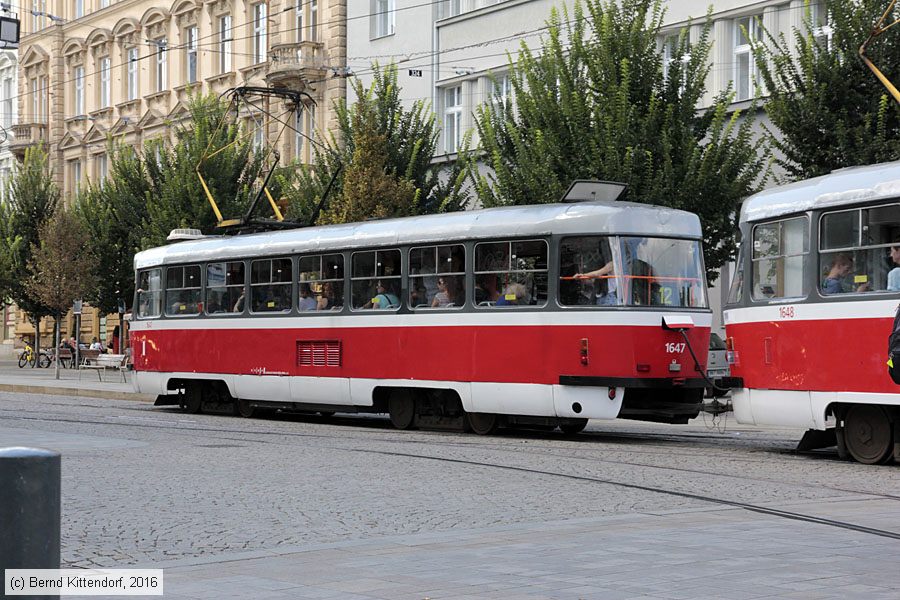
x: 92, y: 70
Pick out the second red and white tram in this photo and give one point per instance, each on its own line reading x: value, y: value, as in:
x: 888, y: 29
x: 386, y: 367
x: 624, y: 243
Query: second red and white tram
x: 541, y: 315
x: 811, y: 306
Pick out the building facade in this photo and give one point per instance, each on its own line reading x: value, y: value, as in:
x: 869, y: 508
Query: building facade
x: 92, y: 71
x: 95, y: 70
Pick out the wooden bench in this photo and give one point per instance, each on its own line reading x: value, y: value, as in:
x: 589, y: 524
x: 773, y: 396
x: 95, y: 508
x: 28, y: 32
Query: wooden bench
x: 65, y: 357
x: 94, y: 359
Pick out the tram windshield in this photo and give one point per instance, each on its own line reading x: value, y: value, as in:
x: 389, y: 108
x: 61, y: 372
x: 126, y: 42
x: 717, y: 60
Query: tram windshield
x: 631, y: 271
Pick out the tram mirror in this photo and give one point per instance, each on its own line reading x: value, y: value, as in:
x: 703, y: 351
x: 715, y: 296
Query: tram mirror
x: 586, y: 190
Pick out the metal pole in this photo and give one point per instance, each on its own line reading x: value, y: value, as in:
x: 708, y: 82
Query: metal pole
x: 29, y: 510
x: 77, y: 340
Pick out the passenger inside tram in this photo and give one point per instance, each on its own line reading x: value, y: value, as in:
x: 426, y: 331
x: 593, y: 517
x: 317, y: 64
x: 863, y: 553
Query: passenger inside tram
x: 837, y: 280
x: 893, y: 277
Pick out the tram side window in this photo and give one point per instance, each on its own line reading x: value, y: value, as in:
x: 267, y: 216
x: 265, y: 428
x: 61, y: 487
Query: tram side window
x: 224, y: 288
x: 780, y: 251
x: 509, y: 274
x: 375, y: 280
x: 736, y: 292
x: 321, y: 283
x: 183, y: 289
x: 856, y: 252
x: 270, y: 285
x: 437, y: 276
x: 149, y: 293
x: 586, y: 274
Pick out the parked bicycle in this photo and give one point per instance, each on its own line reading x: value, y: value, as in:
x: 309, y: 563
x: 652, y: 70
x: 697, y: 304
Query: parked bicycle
x: 27, y: 357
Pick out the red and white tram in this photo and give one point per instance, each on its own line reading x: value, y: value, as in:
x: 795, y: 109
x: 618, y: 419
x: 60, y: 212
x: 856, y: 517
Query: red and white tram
x: 536, y: 315
x: 811, y: 307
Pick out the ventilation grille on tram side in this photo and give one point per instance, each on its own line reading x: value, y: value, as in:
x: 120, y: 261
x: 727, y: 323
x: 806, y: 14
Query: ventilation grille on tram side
x: 319, y: 353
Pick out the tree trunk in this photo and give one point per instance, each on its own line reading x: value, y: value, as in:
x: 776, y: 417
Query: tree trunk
x: 37, y: 343
x: 56, y: 346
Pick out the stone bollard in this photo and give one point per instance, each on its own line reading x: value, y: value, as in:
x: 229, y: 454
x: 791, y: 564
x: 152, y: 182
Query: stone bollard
x: 29, y: 510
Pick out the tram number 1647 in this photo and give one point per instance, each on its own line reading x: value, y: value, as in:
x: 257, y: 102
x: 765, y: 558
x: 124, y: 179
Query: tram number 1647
x: 675, y: 347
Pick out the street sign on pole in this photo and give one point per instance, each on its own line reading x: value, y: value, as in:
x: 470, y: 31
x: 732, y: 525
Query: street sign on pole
x: 76, y: 307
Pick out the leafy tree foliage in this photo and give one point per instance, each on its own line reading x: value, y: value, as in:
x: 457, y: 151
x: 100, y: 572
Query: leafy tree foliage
x: 114, y: 215
x: 176, y: 196
x: 31, y: 199
x: 594, y: 103
x: 406, y: 139
x: 58, y: 265
x: 369, y: 190
x: 829, y: 109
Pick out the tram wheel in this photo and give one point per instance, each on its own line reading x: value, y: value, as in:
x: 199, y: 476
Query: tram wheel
x: 244, y: 408
x: 482, y: 423
x: 193, y: 399
x: 573, y: 426
x: 868, y: 435
x: 402, y: 409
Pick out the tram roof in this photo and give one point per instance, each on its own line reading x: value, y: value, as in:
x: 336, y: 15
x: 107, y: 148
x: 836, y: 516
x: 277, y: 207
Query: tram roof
x: 612, y: 218
x: 852, y: 185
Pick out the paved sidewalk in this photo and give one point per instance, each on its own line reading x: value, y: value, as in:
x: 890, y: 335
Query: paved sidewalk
x: 71, y: 382
x: 714, y: 553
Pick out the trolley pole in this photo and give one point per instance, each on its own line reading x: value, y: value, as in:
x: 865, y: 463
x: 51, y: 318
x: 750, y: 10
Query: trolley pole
x: 29, y: 510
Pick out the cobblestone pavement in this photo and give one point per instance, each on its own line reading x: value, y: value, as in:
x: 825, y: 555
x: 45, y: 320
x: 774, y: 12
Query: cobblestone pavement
x: 220, y: 500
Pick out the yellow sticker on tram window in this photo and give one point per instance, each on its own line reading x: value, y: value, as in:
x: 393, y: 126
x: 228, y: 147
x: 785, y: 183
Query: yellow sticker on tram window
x: 860, y: 279
x: 270, y: 304
x: 509, y: 297
x: 182, y: 307
x: 374, y: 300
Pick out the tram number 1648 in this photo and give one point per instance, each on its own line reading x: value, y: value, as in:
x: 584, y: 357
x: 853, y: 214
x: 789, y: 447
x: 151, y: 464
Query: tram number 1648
x: 675, y: 347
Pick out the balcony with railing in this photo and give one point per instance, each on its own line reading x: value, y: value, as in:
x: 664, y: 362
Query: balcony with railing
x: 26, y: 135
x: 295, y: 66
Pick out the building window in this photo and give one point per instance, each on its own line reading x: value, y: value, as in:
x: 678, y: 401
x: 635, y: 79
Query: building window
x: 384, y: 17
x: 161, y: 83
x: 79, y: 8
x: 298, y: 20
x: 75, y: 170
x: 104, y: 82
x: 670, y: 55
x: 450, y: 8
x: 79, y: 91
x: 259, y: 33
x: 225, y: 44
x: 102, y: 169
x: 104, y: 3
x: 191, y: 53
x: 452, y: 118
x: 820, y: 25
x: 39, y: 9
x: 132, y: 79
x: 313, y: 20
x: 747, y: 30
x: 298, y: 134
x: 39, y: 99
x: 7, y: 102
x: 501, y: 90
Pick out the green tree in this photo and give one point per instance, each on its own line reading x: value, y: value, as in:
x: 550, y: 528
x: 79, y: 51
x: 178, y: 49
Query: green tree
x: 56, y: 279
x: 405, y: 138
x: 176, y: 196
x: 114, y: 214
x: 596, y: 103
x: 31, y: 198
x: 828, y: 108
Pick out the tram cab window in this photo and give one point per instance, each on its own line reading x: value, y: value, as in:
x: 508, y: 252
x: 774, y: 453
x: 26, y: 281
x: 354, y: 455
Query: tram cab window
x: 323, y: 278
x: 149, y: 293
x: 662, y: 272
x: 437, y: 276
x: 586, y: 273
x: 224, y: 288
x: 780, y: 251
x: 375, y: 280
x: 510, y: 274
x: 855, y: 250
x: 270, y: 285
x: 183, y: 289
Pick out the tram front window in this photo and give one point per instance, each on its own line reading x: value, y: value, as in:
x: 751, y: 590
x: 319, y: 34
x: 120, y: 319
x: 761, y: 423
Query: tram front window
x: 632, y: 271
